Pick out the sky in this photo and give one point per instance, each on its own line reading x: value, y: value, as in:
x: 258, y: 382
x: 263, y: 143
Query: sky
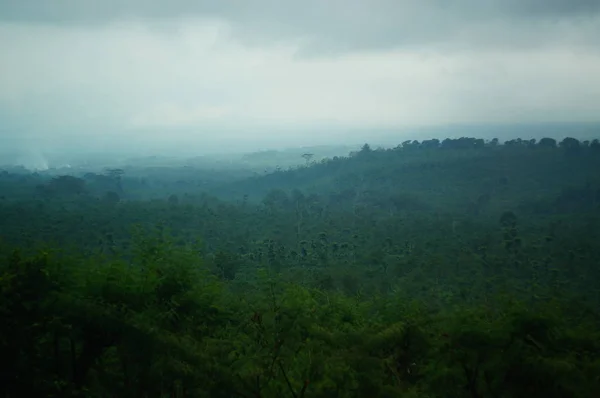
x: 150, y: 74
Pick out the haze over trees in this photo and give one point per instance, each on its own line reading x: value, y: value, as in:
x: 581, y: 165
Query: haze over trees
x: 440, y: 268
x: 300, y: 199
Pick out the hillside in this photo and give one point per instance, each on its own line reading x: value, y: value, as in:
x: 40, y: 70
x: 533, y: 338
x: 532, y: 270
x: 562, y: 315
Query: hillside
x: 453, y: 268
x: 517, y: 174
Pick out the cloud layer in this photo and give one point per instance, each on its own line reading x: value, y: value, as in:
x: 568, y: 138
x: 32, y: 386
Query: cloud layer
x: 186, y: 67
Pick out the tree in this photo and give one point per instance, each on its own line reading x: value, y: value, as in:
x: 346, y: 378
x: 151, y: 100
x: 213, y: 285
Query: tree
x: 116, y: 174
x: 276, y: 199
x: 571, y: 146
x: 67, y: 185
x: 112, y: 197
x: 547, y: 143
x: 433, y: 143
x: 308, y: 157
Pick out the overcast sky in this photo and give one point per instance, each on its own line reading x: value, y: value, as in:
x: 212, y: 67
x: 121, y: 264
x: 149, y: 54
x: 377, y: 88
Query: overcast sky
x: 278, y: 69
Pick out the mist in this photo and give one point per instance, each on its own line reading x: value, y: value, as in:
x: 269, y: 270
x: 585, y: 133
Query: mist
x: 192, y: 78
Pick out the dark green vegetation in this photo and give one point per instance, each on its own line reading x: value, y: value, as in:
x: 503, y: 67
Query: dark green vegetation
x: 436, y: 269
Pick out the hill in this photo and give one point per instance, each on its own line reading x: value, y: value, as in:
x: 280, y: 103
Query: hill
x: 453, y: 268
x: 458, y: 175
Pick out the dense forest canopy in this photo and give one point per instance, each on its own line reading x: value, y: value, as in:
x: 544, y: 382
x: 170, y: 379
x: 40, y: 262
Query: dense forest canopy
x: 437, y: 268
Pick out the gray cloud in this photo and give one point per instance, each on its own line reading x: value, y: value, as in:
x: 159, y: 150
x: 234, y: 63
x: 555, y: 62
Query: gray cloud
x: 85, y: 11
x: 544, y: 8
x: 346, y: 25
x: 219, y: 71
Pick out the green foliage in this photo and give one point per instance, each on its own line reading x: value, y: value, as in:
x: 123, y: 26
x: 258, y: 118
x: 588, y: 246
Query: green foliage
x: 436, y: 269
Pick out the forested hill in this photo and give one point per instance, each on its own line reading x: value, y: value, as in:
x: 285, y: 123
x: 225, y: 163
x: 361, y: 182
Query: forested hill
x: 458, y: 174
x: 451, y: 269
x: 465, y: 174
